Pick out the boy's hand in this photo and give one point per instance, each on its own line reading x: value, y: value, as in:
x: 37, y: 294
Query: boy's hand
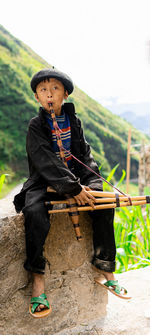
x: 85, y: 197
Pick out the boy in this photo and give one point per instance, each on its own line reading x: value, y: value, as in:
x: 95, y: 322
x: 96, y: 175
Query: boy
x: 65, y: 175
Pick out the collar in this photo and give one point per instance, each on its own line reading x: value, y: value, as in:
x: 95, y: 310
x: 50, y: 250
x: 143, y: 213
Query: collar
x: 67, y: 107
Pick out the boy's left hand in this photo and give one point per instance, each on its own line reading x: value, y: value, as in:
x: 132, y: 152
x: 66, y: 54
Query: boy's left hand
x: 85, y: 197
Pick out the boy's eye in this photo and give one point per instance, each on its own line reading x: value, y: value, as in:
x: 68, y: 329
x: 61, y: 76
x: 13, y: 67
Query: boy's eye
x: 55, y: 88
x: 43, y: 89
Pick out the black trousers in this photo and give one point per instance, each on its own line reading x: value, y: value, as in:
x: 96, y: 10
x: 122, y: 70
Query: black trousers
x: 37, y: 225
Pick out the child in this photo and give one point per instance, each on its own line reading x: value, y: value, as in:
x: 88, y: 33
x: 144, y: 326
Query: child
x: 65, y: 175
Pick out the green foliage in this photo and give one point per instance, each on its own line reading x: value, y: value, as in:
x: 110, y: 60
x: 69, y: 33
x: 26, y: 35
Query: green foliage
x: 8, y: 44
x: 122, y: 178
x: 94, y: 141
x: 111, y: 134
x: 111, y: 175
x: 2, y: 179
x: 132, y: 235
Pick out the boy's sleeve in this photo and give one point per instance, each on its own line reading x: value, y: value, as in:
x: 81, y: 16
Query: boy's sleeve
x: 48, y: 166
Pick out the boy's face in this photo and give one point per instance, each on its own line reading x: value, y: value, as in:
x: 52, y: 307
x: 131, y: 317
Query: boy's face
x: 51, y: 91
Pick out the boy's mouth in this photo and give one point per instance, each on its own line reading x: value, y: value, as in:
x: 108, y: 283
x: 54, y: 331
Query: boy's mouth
x: 50, y: 104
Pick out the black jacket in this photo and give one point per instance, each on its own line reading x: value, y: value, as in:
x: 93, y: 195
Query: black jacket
x: 44, y: 166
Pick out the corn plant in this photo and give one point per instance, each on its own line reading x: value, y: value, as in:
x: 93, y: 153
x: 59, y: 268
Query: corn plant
x: 110, y: 176
x: 132, y: 236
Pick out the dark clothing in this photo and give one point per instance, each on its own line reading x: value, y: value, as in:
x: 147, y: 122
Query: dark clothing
x: 37, y: 225
x: 44, y: 166
x: 46, y: 169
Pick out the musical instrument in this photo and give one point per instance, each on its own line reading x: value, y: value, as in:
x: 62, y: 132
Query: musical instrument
x: 104, y: 200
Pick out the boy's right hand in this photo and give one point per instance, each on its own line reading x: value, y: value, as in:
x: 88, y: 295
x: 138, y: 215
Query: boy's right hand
x: 85, y: 197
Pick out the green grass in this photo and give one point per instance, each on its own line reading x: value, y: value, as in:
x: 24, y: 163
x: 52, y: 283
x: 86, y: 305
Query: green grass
x: 133, y: 188
x: 132, y: 234
x: 132, y: 231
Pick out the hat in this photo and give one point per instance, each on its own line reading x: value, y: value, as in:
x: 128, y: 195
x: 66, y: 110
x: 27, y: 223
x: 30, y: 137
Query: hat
x: 52, y: 73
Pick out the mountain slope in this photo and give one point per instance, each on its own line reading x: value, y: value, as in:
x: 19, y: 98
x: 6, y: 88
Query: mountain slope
x: 107, y: 133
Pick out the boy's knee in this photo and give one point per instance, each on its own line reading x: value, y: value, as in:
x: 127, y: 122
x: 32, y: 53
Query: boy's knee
x: 35, y: 209
x: 103, y: 215
x: 37, y: 216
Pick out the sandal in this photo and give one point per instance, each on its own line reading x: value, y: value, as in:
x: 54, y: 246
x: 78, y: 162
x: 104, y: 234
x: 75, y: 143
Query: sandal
x: 113, y: 287
x: 35, y: 302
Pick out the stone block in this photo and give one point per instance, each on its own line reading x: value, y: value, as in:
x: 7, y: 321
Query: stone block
x: 70, y: 286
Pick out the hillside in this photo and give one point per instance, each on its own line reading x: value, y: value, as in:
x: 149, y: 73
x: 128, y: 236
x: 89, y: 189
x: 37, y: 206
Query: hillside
x: 106, y: 132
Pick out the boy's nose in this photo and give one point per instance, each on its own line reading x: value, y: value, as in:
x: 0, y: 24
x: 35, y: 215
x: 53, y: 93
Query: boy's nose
x: 49, y: 94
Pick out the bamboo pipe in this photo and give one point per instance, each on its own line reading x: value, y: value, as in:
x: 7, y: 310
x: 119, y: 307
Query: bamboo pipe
x: 106, y: 206
x: 105, y: 194
x: 100, y: 200
x: 72, y: 210
x: 115, y: 200
x: 74, y: 215
x: 94, y: 193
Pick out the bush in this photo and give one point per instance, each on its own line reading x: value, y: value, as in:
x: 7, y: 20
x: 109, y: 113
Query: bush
x: 10, y: 45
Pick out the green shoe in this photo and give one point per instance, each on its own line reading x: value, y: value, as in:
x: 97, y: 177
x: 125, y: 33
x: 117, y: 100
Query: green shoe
x: 114, y: 287
x: 35, y: 302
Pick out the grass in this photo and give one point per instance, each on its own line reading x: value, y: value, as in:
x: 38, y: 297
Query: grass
x: 132, y: 234
x: 133, y: 188
x: 132, y: 231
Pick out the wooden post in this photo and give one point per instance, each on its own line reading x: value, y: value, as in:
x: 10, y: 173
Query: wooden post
x: 144, y: 164
x: 142, y: 170
x: 128, y: 161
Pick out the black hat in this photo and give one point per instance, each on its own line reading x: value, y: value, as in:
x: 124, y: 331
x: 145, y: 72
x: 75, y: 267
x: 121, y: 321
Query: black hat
x: 52, y: 73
